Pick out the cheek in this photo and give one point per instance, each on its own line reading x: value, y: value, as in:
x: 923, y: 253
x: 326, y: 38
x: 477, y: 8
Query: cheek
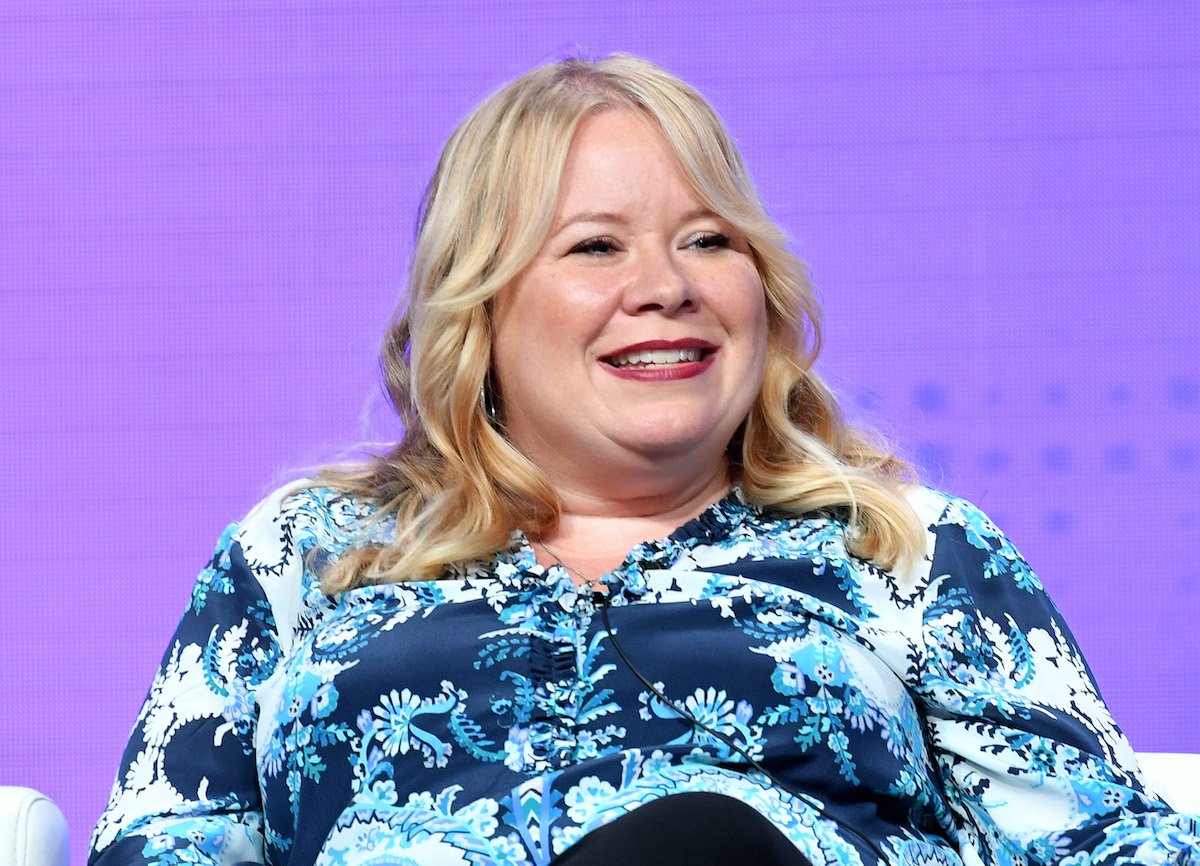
x: 530, y: 331
x: 559, y: 315
x: 752, y: 319
x: 756, y: 326
x: 509, y: 324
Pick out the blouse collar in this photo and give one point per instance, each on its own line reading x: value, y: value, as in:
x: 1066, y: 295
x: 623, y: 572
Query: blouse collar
x: 715, y: 524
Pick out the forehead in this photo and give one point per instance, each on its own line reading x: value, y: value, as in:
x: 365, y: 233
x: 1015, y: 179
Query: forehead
x: 616, y: 130
x: 617, y: 156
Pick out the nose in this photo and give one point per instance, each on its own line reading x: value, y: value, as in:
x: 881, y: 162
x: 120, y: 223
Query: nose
x: 660, y: 285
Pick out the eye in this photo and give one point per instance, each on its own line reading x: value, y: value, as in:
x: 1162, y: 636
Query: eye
x: 709, y: 241
x: 595, y: 247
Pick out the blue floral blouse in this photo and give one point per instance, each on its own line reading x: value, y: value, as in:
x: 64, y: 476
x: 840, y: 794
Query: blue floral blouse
x: 939, y: 716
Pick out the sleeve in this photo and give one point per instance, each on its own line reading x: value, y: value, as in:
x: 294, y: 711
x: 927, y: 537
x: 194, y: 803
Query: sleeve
x: 1034, y: 767
x: 187, y: 789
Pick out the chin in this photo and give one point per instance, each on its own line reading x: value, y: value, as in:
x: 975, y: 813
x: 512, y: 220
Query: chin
x: 659, y: 448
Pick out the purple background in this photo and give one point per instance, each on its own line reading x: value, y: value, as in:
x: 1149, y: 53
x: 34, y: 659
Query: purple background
x: 205, y: 213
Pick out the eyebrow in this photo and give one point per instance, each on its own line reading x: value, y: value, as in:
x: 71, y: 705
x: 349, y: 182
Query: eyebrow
x: 620, y: 219
x: 591, y: 216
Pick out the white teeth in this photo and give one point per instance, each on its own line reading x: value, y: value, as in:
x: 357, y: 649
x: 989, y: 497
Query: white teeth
x: 653, y: 357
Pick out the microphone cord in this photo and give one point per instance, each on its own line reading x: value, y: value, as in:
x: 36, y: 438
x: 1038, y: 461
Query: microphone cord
x: 601, y: 600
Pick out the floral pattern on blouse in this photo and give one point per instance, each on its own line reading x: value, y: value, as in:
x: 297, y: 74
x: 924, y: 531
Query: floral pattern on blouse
x: 932, y: 718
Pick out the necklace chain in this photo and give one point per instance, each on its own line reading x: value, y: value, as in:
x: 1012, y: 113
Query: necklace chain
x: 587, y: 581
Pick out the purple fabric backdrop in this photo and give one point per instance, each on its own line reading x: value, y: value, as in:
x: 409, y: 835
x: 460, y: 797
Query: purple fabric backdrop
x: 206, y: 214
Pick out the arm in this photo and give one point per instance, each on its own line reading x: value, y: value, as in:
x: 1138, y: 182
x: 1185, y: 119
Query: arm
x: 187, y: 790
x: 1034, y: 766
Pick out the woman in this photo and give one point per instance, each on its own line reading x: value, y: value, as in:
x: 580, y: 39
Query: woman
x: 471, y: 650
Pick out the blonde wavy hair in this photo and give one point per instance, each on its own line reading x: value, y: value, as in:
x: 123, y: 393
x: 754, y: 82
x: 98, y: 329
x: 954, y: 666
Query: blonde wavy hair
x: 455, y: 486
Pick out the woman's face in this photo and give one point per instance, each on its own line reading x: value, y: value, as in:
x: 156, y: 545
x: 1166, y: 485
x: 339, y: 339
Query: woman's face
x: 636, y: 338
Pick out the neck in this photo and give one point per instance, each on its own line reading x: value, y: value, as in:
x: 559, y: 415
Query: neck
x: 642, y: 499
x: 594, y: 532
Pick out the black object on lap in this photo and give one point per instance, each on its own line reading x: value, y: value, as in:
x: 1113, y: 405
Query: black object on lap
x: 692, y: 829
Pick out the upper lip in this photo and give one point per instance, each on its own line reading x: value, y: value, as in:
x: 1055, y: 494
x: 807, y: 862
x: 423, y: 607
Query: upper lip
x: 685, y: 343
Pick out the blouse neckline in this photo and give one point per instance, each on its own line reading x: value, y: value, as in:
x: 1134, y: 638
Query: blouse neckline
x: 719, y: 521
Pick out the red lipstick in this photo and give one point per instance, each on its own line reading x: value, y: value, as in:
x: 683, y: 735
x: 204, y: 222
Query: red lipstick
x: 661, y: 360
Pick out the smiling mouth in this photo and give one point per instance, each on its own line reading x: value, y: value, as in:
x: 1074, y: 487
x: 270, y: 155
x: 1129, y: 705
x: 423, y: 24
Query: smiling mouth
x: 656, y: 357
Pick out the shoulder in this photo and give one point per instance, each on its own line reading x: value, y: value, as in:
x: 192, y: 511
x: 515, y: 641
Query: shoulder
x: 285, y: 541
x: 300, y: 516
x: 946, y: 516
x: 965, y: 546
x: 935, y: 508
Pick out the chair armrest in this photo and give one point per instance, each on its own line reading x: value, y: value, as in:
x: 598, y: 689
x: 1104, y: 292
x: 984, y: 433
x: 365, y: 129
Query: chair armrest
x: 1174, y: 776
x: 33, y: 831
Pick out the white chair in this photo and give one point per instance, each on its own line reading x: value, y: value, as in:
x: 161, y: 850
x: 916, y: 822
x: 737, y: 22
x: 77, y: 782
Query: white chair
x: 33, y: 831
x: 1174, y: 776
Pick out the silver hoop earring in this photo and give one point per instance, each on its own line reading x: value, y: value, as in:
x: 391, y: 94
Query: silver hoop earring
x: 487, y: 402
